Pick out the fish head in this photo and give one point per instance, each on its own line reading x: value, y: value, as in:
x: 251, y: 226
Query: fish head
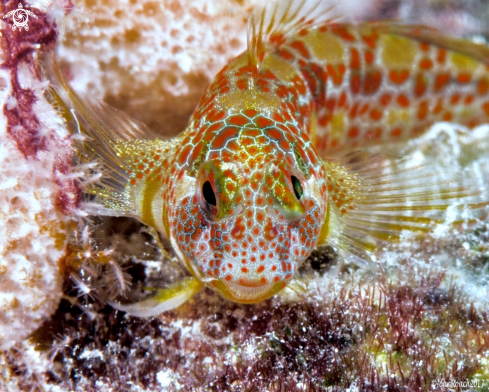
x: 254, y: 216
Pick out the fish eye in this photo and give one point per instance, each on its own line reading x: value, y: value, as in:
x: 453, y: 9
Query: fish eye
x: 209, y: 195
x: 297, y: 187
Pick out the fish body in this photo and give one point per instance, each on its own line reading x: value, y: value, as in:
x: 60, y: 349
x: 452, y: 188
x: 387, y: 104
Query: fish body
x: 266, y: 185
x: 246, y: 192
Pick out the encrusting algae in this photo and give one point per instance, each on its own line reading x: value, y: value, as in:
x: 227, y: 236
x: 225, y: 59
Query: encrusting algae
x: 268, y: 168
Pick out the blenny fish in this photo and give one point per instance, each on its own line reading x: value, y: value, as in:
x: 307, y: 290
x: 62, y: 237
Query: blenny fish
x: 266, y: 170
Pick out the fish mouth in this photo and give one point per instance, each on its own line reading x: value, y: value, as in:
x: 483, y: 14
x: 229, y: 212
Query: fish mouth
x: 249, y: 291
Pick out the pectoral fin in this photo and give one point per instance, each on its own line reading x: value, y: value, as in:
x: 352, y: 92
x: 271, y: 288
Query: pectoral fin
x: 165, y: 299
x: 374, y: 201
x: 121, y: 150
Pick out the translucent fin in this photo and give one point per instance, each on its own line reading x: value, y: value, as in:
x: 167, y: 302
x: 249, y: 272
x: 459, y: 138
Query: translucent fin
x: 431, y: 36
x: 374, y: 201
x: 271, y: 23
x: 103, y: 131
x: 165, y: 299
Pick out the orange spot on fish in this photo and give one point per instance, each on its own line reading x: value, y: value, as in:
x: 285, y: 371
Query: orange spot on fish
x: 364, y: 109
x: 464, y: 78
x: 396, y: 132
x: 355, y: 59
x: 342, y: 32
x: 483, y: 86
x: 403, y: 100
x: 342, y: 100
x: 285, y: 54
x: 375, y: 114
x: 355, y: 83
x: 369, y: 57
x: 278, y: 118
x: 353, y: 133
x: 422, y: 110
x: 250, y: 113
x: 263, y: 122
x: 212, y: 128
x: 485, y: 107
x: 301, y: 48
x: 242, y: 84
x: 420, y: 85
x: 372, y: 82
x: 399, y: 77
x: 455, y: 98
x: 441, y: 56
x: 441, y: 81
x: 426, y: 64
x: 371, y: 39
x: 238, y: 120
x: 385, y: 99
x: 447, y: 116
x: 217, y: 117
x: 439, y: 106
x: 336, y: 73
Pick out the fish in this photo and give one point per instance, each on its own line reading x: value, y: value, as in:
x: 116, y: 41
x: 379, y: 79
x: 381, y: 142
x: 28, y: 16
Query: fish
x: 274, y: 161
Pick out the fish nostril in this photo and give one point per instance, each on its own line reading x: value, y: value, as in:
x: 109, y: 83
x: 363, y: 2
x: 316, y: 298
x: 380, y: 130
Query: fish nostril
x: 236, y: 231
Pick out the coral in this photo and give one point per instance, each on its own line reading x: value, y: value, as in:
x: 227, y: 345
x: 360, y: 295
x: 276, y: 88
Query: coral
x: 33, y: 157
x: 152, y: 59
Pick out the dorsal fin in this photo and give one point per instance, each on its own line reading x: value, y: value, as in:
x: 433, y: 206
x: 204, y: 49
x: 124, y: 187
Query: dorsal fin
x: 271, y: 23
x: 435, y: 37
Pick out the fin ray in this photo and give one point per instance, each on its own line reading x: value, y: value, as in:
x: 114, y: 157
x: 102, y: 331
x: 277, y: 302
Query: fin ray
x: 369, y: 211
x: 164, y: 299
x: 272, y: 22
x: 103, y: 131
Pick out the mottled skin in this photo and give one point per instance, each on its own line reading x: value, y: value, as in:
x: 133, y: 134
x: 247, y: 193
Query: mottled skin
x: 378, y: 82
x: 248, y: 144
x: 262, y: 126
